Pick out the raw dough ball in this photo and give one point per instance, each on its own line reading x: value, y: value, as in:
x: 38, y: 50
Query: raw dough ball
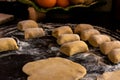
x: 7, y: 44
x: 96, y: 40
x: 54, y: 69
x: 61, y: 30
x: 34, y: 33
x: 74, y: 47
x: 106, y: 47
x: 22, y: 25
x: 64, y: 38
x: 81, y: 27
x: 86, y: 34
x: 114, y: 55
x: 114, y: 75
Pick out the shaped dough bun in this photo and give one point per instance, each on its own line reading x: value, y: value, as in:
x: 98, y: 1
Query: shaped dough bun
x: 54, y: 69
x: 22, y: 25
x: 7, y: 44
x: 81, y: 27
x: 106, y: 47
x: 74, y: 47
x: 96, y: 40
x: 61, y: 30
x: 114, y: 55
x: 34, y: 33
x: 64, y: 38
x: 86, y: 34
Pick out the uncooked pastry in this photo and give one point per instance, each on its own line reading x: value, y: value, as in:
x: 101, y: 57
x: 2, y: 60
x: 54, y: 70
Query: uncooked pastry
x: 86, y: 34
x: 64, y: 38
x: 114, y: 55
x: 7, y: 44
x: 54, y: 69
x: 81, y: 27
x: 34, y: 33
x: 96, y: 40
x: 24, y: 24
x: 61, y: 30
x: 107, y: 47
x: 74, y: 47
x: 114, y: 75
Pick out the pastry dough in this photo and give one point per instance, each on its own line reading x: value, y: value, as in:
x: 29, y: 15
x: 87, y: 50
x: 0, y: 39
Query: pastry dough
x: 96, y: 40
x: 114, y: 75
x: 74, y: 47
x: 61, y: 30
x: 106, y: 47
x: 81, y: 27
x: 64, y: 38
x: 114, y: 55
x: 54, y: 69
x: 34, y: 33
x: 86, y: 34
x: 22, y: 25
x: 7, y: 44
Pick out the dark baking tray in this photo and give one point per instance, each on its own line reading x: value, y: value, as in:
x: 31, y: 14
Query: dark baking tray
x: 11, y: 62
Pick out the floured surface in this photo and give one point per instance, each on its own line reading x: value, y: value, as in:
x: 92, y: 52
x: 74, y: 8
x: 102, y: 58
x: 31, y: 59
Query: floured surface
x: 46, y: 47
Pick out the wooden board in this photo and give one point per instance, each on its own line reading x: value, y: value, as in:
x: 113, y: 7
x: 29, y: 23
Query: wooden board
x: 5, y: 18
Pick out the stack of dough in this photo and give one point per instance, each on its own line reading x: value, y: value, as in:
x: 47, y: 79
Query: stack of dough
x: 22, y: 25
x: 86, y: 34
x: 107, y: 47
x: 74, y: 47
x: 34, y: 33
x: 96, y: 40
x: 54, y: 69
x: 114, y: 55
x: 81, y: 27
x: 64, y: 38
x: 7, y: 44
x: 61, y: 30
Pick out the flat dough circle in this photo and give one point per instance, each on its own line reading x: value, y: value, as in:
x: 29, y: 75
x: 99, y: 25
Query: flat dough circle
x: 54, y: 69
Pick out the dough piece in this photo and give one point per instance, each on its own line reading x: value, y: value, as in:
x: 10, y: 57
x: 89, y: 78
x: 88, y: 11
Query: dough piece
x: 107, y: 47
x: 86, y: 34
x: 114, y: 55
x: 54, y: 69
x: 115, y: 75
x: 96, y: 40
x: 81, y: 27
x: 74, y: 47
x: 64, y: 38
x: 34, y: 33
x: 7, y: 44
x: 61, y: 30
x: 22, y: 25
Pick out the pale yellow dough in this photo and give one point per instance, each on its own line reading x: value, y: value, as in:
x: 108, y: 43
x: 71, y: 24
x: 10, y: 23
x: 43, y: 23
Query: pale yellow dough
x: 81, y: 27
x: 114, y: 75
x: 25, y: 24
x: 7, y: 44
x: 114, y: 55
x: 34, y: 33
x: 74, y: 47
x: 106, y: 47
x: 86, y: 34
x: 96, y: 40
x: 61, y: 30
x: 54, y: 69
x: 64, y: 38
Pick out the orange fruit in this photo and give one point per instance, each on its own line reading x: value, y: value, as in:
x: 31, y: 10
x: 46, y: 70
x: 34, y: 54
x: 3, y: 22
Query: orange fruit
x: 46, y: 3
x: 63, y: 3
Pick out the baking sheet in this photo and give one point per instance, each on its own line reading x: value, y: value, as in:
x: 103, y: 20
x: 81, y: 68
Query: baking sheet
x: 11, y: 62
